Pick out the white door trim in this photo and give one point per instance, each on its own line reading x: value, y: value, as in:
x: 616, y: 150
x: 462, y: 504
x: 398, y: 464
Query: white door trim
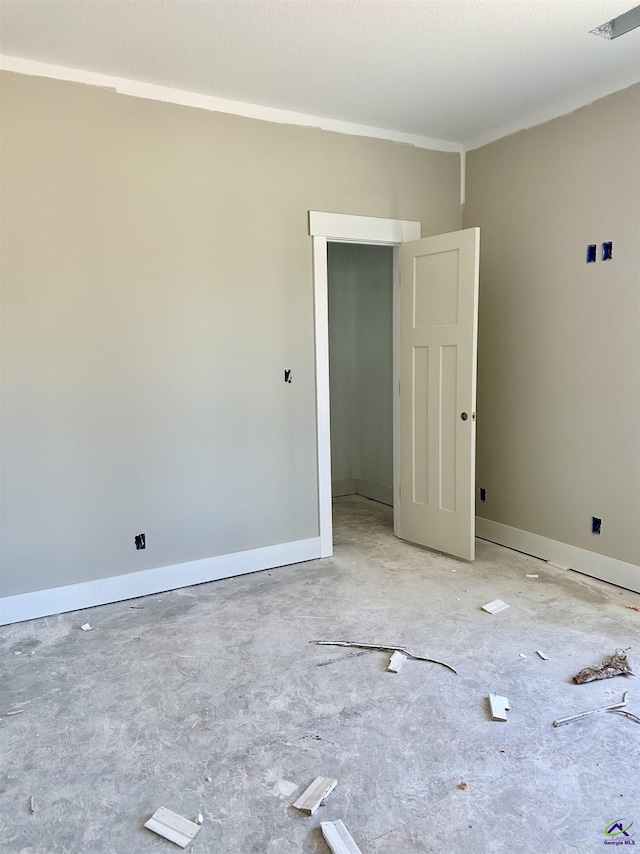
x: 362, y: 229
x: 325, y: 227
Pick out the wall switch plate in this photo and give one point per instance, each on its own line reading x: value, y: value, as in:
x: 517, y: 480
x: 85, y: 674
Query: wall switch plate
x: 592, y: 253
x: 287, y: 376
x: 607, y: 251
x: 141, y: 541
x: 596, y: 525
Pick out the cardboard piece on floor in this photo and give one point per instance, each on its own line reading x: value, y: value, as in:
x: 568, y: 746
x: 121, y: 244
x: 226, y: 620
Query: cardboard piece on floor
x: 499, y: 707
x: 314, y: 794
x: 338, y: 838
x: 495, y: 607
x: 173, y: 827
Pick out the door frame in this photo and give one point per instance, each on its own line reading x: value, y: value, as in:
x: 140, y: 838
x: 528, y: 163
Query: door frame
x: 327, y: 228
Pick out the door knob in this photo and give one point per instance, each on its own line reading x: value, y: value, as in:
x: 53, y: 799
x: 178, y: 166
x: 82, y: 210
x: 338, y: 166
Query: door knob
x: 464, y: 416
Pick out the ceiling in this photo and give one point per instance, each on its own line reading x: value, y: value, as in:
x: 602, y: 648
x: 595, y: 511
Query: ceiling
x: 456, y: 70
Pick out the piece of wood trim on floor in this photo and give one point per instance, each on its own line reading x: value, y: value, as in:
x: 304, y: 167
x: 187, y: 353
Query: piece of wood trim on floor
x: 343, y: 487
x: 338, y: 838
x: 314, y: 794
x: 499, y: 707
x: 495, y: 606
x: 397, y: 660
x: 383, y: 494
x: 173, y: 827
x: 102, y: 591
x: 605, y: 568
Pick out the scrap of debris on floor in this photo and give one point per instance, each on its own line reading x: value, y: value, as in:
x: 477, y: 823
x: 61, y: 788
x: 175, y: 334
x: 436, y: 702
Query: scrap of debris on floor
x: 615, y: 707
x: 615, y: 665
x: 495, y: 607
x: 182, y: 831
x: 173, y: 827
x: 338, y: 838
x: 392, y: 649
x: 315, y: 794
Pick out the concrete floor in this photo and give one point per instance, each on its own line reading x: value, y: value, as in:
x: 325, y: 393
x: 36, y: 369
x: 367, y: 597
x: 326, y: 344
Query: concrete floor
x: 210, y: 700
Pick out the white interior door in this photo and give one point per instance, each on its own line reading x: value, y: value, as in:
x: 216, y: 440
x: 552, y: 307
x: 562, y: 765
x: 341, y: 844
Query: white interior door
x: 438, y: 343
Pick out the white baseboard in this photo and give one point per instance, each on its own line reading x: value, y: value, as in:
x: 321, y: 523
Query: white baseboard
x: 590, y: 563
x: 342, y: 487
x: 88, y: 594
x: 374, y: 491
x: 383, y: 494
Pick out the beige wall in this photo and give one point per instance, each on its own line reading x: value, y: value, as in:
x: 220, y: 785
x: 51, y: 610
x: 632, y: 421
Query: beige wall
x: 361, y: 362
x: 156, y: 282
x: 559, y: 340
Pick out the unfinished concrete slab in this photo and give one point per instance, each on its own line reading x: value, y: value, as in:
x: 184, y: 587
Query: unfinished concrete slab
x: 209, y: 700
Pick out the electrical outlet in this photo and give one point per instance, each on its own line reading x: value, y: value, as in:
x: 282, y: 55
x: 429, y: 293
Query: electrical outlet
x: 596, y: 525
x: 141, y: 541
x: 482, y: 494
x: 607, y: 250
x: 287, y: 376
x: 592, y: 253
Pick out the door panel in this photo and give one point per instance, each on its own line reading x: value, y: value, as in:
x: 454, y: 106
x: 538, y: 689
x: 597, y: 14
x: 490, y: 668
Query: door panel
x: 438, y: 340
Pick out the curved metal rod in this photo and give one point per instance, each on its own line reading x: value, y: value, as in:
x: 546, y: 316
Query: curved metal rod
x: 626, y: 714
x: 614, y: 708
x: 382, y: 648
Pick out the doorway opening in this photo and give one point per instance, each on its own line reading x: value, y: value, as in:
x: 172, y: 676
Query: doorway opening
x: 360, y: 298
x: 434, y: 351
x: 326, y: 227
